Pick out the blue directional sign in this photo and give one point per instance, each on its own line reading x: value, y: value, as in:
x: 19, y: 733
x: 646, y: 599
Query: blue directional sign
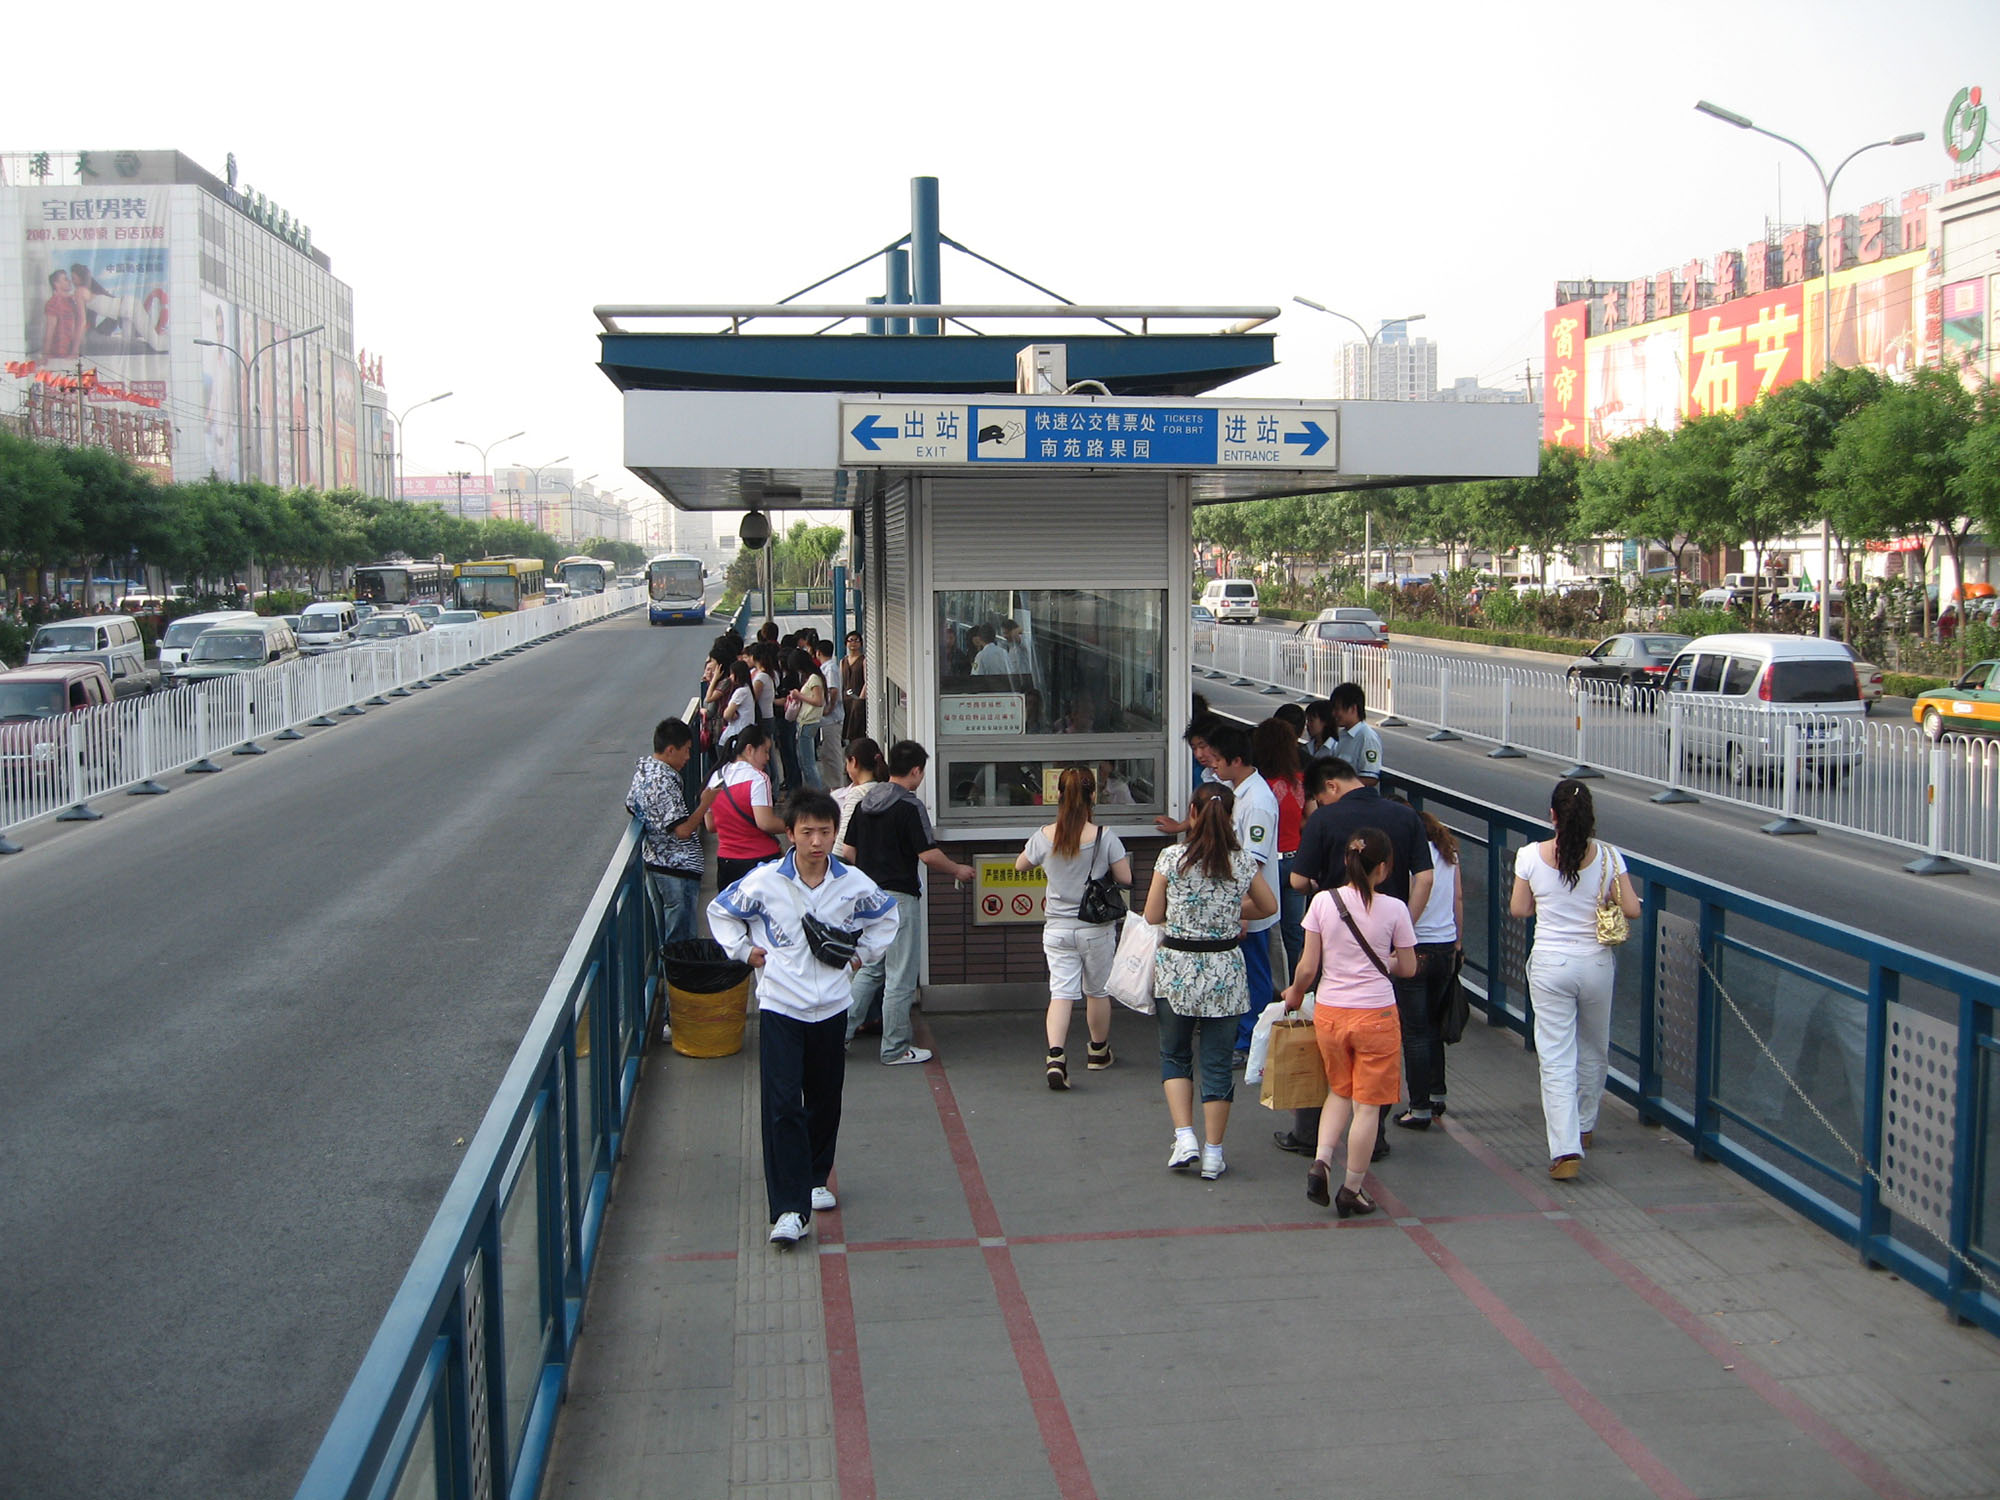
x: 1089, y: 434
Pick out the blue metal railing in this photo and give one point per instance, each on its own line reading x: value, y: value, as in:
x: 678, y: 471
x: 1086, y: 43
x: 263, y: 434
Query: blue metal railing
x: 458, y: 1394
x: 1894, y: 1048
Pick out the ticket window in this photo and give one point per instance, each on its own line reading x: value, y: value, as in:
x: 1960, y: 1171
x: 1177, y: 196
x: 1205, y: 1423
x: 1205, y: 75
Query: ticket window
x: 1031, y: 681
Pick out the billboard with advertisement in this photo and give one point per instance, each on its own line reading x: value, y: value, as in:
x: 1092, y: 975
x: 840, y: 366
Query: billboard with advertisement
x: 1877, y: 317
x: 1965, y: 346
x: 95, y: 283
x: 1740, y: 350
x: 1635, y: 379
x: 1563, y: 333
x: 346, y: 431
x: 221, y: 390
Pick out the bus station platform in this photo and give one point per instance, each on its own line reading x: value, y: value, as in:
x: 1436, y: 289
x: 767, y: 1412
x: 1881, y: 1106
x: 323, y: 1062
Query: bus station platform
x: 1016, y: 1298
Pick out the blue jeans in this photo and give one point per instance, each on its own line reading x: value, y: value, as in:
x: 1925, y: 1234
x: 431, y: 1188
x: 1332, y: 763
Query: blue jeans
x: 675, y: 901
x: 892, y: 979
x: 788, y: 750
x: 809, y: 754
x: 1257, y: 974
x: 1291, y: 916
x: 1177, y: 1042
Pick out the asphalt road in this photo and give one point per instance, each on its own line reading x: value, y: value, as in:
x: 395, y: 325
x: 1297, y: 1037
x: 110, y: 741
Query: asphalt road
x: 245, y: 1032
x: 1843, y: 877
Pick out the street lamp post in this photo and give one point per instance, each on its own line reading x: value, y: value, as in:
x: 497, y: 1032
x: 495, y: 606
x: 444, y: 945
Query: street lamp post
x: 486, y: 474
x: 403, y: 448
x: 256, y: 428
x: 537, y: 472
x: 1367, y: 516
x: 1826, y: 182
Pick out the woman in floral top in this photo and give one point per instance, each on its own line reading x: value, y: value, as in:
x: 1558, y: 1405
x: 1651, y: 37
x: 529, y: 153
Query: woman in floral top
x: 1202, y: 893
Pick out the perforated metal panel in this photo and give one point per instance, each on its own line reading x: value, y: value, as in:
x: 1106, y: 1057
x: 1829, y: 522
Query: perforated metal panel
x: 1676, y: 979
x: 1919, y: 1087
x: 895, y: 561
x: 478, y: 1423
x: 1059, y: 531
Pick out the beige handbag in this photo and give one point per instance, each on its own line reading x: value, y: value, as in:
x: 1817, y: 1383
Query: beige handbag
x: 1613, y: 927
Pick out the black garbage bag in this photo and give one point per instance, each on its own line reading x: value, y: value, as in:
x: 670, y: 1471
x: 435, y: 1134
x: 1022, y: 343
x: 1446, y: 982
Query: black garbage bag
x: 700, y: 967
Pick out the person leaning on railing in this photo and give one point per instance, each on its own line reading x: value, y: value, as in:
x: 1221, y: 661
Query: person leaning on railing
x: 1561, y: 883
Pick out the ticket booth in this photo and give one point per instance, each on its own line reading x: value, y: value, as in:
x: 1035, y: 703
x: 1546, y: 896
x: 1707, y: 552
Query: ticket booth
x: 1026, y: 568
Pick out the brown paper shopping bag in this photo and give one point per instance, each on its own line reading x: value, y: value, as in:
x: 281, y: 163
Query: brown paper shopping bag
x: 1294, y: 1077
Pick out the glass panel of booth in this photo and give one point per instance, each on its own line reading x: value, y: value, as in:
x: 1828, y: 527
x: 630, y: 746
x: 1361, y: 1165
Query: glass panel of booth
x: 1031, y: 680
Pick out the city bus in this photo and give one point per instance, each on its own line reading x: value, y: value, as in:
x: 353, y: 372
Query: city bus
x: 499, y: 585
x: 584, y: 575
x: 676, y: 588
x: 392, y: 585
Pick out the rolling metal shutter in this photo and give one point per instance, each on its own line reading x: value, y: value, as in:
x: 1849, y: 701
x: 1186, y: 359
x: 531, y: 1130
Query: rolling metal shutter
x: 1104, y: 531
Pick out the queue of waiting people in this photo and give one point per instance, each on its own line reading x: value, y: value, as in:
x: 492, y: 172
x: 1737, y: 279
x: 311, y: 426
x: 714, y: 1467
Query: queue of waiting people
x: 1364, y: 892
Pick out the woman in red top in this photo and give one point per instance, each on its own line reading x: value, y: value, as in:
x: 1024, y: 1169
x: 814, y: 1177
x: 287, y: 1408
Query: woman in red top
x: 1274, y: 751
x: 746, y: 824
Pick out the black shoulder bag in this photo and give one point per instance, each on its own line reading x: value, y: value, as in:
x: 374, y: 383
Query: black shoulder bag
x: 1103, y: 900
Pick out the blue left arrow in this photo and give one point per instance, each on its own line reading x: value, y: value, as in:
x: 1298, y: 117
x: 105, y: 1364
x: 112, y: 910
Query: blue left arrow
x: 871, y: 432
x: 1314, y: 438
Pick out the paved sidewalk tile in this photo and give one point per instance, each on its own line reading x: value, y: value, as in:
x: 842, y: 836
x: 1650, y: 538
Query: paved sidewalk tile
x: 1016, y: 1298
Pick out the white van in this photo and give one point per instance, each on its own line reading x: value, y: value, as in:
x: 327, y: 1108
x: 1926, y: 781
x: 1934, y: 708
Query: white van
x: 327, y: 626
x: 1737, y: 693
x: 179, y: 637
x: 112, y: 641
x: 1231, y: 599
x: 239, y: 646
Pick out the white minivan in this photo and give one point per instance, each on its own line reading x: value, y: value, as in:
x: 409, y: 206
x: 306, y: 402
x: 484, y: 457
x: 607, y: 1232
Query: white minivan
x: 178, y: 639
x: 1231, y: 599
x: 1737, y: 693
x: 112, y: 641
x: 327, y: 626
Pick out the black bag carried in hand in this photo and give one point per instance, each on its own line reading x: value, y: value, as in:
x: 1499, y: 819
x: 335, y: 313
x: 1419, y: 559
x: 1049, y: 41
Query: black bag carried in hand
x: 833, y: 946
x: 1457, y: 1009
x: 1103, y: 899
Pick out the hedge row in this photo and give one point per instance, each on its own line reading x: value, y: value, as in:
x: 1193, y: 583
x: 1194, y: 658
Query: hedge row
x: 1909, y: 684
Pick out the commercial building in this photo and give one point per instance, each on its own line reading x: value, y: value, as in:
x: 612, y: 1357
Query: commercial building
x: 180, y: 319
x: 1911, y: 284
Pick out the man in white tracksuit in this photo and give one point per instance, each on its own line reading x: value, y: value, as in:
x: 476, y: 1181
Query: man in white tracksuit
x: 808, y: 922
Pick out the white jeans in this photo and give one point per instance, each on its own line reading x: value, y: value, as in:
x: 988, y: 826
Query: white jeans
x: 1572, y: 996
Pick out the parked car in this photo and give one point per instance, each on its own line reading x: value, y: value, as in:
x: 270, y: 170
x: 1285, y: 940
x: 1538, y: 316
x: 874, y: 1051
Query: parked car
x: 327, y: 626
x: 179, y: 637
x: 1741, y: 692
x: 240, y: 646
x: 1971, y: 704
x: 1232, y: 599
x: 34, y: 702
x: 112, y: 641
x: 1636, y: 661
x: 1347, y: 612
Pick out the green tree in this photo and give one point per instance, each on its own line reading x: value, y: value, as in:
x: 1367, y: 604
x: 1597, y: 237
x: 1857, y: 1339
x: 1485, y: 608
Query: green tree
x: 1538, y: 512
x: 1909, y: 448
x: 38, y: 499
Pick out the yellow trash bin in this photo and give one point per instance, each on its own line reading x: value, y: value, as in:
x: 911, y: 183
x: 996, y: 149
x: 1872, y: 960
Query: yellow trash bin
x: 708, y: 998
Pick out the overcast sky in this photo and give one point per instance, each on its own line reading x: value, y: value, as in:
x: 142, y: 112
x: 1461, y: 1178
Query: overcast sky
x: 482, y: 178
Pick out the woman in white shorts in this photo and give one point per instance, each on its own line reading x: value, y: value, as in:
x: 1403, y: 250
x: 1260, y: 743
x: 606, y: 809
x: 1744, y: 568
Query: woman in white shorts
x: 1074, y: 850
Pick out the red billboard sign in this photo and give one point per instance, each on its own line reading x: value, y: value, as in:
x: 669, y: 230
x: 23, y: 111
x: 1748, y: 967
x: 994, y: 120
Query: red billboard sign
x: 1562, y: 373
x: 1742, y: 349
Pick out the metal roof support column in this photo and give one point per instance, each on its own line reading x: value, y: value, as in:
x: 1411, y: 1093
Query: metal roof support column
x: 928, y: 274
x: 898, y: 263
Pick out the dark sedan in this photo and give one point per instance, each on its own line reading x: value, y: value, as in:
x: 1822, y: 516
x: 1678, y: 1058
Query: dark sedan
x: 1635, y: 661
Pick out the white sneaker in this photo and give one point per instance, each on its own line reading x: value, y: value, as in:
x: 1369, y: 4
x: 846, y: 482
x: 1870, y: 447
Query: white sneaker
x: 909, y: 1055
x: 788, y: 1231
x: 823, y: 1200
x: 1184, y: 1155
x: 1212, y: 1164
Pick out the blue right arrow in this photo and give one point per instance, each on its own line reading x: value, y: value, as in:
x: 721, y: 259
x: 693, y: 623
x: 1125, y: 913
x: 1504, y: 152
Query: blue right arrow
x: 1314, y: 438
x: 871, y: 432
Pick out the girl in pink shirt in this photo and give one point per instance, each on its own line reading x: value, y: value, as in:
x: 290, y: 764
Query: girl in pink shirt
x: 1356, y: 940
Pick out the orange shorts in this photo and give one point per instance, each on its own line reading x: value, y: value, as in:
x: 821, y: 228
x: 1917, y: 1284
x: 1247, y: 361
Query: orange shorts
x: 1363, y: 1052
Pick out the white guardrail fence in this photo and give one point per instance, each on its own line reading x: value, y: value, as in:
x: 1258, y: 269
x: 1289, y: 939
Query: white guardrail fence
x: 53, y: 768
x: 1806, y: 766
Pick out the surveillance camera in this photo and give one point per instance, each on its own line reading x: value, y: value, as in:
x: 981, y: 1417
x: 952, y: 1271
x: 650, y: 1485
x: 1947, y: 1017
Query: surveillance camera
x: 755, y: 530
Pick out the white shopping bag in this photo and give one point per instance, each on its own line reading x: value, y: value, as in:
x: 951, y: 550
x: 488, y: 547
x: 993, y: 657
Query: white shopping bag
x: 1260, y: 1038
x: 1132, y: 970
